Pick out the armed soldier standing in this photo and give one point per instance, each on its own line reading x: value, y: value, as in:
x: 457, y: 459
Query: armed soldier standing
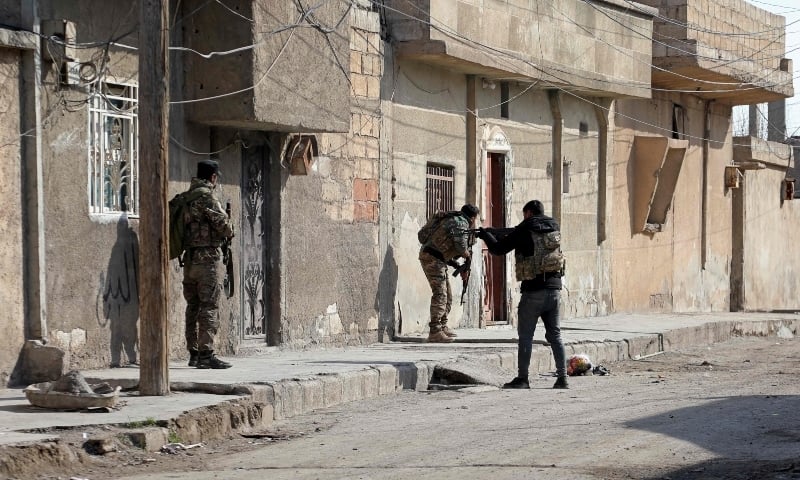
x: 207, y: 226
x: 444, y: 239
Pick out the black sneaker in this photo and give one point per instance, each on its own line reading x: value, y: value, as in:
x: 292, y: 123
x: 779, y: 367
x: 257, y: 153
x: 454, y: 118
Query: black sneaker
x: 561, y: 382
x: 517, y: 383
x: 213, y: 362
x: 193, y: 355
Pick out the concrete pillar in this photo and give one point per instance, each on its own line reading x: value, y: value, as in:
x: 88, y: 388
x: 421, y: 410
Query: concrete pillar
x: 33, y: 187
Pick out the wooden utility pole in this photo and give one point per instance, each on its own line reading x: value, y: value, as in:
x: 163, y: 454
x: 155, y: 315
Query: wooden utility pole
x: 153, y: 177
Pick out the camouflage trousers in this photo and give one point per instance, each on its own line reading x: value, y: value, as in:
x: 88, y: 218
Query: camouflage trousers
x: 203, y: 272
x: 441, y: 295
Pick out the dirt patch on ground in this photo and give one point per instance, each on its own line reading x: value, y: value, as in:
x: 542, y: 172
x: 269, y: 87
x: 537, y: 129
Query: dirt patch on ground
x: 73, y: 454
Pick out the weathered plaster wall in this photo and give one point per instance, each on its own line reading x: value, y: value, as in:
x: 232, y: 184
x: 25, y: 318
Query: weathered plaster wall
x: 771, y: 229
x: 93, y: 259
x: 293, y: 79
x: 664, y: 271
x: 427, y: 127
x: 330, y: 251
x: 91, y: 282
x: 11, y: 255
x: 586, y: 281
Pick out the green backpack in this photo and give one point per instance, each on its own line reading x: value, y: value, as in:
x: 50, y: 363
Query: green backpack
x: 177, y: 215
x: 424, y: 234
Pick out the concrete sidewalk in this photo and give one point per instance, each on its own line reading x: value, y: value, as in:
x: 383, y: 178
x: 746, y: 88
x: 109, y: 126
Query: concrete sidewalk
x: 277, y: 384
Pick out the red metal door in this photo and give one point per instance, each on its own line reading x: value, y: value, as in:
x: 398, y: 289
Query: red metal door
x: 494, y: 267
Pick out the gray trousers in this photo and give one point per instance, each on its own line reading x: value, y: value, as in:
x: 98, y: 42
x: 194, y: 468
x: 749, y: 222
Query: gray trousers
x: 533, y: 305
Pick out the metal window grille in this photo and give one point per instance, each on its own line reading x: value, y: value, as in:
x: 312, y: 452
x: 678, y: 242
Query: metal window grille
x: 439, y: 189
x: 113, y: 151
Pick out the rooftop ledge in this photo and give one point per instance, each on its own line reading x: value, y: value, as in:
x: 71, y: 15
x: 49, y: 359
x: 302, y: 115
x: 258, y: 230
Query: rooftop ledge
x: 680, y: 69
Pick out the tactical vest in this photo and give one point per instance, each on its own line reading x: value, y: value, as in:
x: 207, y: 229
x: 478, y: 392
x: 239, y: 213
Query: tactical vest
x: 546, y: 258
x: 199, y: 231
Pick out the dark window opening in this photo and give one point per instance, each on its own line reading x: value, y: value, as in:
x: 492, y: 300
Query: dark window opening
x: 438, y: 189
x: 504, y: 96
x: 678, y: 122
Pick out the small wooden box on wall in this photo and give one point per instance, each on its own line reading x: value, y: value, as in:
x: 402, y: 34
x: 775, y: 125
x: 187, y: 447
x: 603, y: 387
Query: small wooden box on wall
x: 300, y: 154
x: 732, y: 176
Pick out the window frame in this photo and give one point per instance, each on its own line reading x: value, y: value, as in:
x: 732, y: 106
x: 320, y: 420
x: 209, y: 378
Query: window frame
x: 113, y: 103
x: 439, y: 179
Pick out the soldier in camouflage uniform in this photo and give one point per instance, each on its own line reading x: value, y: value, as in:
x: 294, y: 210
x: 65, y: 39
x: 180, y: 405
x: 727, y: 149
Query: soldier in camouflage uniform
x: 206, y: 226
x: 447, y: 242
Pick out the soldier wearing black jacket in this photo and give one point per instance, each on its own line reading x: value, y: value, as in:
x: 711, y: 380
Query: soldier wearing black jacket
x: 540, y: 290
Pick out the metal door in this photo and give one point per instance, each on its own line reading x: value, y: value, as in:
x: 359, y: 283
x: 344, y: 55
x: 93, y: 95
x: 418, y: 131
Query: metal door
x: 494, y: 267
x: 253, y: 258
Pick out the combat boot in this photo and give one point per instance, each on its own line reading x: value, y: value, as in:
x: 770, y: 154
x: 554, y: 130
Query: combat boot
x: 517, y: 383
x: 448, y: 331
x: 193, y: 356
x: 209, y: 360
x: 439, y: 337
x: 561, y: 382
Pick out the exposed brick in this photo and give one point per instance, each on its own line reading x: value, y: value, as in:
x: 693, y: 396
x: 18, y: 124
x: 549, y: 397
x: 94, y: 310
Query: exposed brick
x: 365, y: 189
x: 360, y: 189
x: 365, y: 212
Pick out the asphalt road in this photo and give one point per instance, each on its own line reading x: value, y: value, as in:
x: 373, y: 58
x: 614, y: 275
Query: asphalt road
x: 729, y: 411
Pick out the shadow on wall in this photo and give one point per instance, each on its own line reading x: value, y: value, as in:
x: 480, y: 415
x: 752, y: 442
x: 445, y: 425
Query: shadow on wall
x: 118, y: 302
x: 384, y: 302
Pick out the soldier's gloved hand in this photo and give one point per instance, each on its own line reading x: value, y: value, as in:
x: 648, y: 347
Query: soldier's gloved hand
x: 481, y: 233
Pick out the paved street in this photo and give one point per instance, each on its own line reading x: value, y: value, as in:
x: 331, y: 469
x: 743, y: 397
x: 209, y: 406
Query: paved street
x: 725, y: 411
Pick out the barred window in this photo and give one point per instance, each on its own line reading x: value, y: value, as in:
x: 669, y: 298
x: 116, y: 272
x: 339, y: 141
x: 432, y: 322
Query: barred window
x: 439, y: 189
x: 113, y: 154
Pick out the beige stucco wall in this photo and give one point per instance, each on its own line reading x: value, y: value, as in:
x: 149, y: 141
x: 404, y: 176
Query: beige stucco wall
x: 428, y: 122
x: 664, y: 271
x: 770, y: 227
x: 92, y: 259
x: 427, y: 126
x: 330, y: 254
x: 11, y: 228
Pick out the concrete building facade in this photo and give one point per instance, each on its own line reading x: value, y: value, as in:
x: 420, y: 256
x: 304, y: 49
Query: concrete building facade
x: 511, y: 100
x: 285, y: 98
x: 678, y: 241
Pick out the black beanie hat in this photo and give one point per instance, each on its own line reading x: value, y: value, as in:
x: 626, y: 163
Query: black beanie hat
x: 471, y: 211
x: 205, y: 168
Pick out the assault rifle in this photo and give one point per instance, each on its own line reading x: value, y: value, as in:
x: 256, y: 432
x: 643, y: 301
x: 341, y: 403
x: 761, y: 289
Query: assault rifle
x: 464, y: 267
x: 227, y: 257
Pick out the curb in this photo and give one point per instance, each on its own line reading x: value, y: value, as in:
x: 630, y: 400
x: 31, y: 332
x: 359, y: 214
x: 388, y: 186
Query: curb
x: 297, y: 396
